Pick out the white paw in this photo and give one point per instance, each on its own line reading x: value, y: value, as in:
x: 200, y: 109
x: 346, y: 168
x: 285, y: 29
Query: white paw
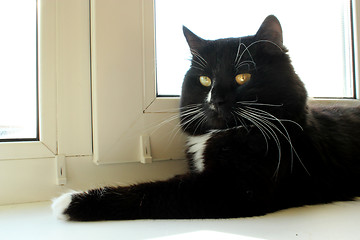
x: 60, y: 204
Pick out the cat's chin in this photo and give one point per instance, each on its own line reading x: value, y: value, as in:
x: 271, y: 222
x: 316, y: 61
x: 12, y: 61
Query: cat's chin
x: 217, y: 123
x: 215, y: 120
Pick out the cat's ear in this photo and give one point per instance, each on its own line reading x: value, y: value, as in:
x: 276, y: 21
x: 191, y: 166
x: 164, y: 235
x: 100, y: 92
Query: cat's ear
x: 195, y: 42
x: 271, y: 30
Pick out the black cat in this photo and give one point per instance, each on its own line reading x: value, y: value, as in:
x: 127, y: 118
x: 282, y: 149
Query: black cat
x: 254, y: 145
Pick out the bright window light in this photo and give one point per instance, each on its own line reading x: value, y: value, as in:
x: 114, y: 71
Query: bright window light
x: 18, y: 75
x: 317, y: 34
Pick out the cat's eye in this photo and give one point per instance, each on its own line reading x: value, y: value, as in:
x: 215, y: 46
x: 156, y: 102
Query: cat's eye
x: 242, y: 78
x: 205, y: 81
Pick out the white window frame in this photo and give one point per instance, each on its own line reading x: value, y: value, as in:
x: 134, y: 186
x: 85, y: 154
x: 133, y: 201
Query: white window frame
x: 59, y: 95
x: 29, y: 171
x: 46, y: 146
x: 125, y: 59
x: 152, y: 103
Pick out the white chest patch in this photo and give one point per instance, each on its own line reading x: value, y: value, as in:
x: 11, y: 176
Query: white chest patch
x: 197, y: 146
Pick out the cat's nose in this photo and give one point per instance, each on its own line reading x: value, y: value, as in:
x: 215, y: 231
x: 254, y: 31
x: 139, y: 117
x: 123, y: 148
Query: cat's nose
x: 217, y: 102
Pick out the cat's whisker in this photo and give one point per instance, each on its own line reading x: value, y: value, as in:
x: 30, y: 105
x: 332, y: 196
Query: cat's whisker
x: 201, y: 69
x: 264, y: 119
x: 200, y: 64
x: 286, y: 135
x: 185, y: 112
x: 238, y: 117
x: 237, y: 61
x: 272, y: 117
x: 178, y: 130
x: 201, y: 121
x: 246, y: 50
x: 267, y: 127
x: 178, y: 109
x: 238, y: 52
x: 269, y: 116
x: 191, y: 114
x: 194, y: 52
x: 261, y: 128
x: 186, y: 121
x: 190, y: 109
x: 162, y: 124
x: 245, y: 63
x: 191, y: 119
x: 191, y: 106
x: 260, y: 104
x: 260, y: 41
x: 249, y: 101
x: 200, y: 58
x: 242, y: 114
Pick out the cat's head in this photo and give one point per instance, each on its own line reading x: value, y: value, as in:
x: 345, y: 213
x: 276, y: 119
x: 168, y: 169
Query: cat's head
x: 236, y: 81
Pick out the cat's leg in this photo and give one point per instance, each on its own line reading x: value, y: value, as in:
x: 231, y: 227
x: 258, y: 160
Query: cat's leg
x: 147, y: 200
x: 183, y: 197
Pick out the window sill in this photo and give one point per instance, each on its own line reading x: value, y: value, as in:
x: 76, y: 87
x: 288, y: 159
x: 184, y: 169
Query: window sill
x: 333, y: 221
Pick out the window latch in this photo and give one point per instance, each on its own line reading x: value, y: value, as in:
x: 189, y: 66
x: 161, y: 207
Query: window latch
x: 60, y: 170
x: 145, y: 148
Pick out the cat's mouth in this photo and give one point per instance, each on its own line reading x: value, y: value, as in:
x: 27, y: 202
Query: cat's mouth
x: 217, y: 118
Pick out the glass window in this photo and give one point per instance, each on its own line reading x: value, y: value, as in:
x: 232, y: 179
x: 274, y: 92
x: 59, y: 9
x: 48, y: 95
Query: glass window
x: 318, y: 38
x: 18, y: 70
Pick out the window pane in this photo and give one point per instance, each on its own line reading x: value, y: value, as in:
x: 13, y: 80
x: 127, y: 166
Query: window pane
x: 318, y: 38
x: 18, y: 77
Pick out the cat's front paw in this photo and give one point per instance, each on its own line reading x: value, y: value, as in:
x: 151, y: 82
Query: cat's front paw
x: 61, y: 204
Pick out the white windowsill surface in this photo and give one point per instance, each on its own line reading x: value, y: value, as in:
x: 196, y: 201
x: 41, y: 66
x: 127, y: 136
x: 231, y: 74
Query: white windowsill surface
x: 333, y: 221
